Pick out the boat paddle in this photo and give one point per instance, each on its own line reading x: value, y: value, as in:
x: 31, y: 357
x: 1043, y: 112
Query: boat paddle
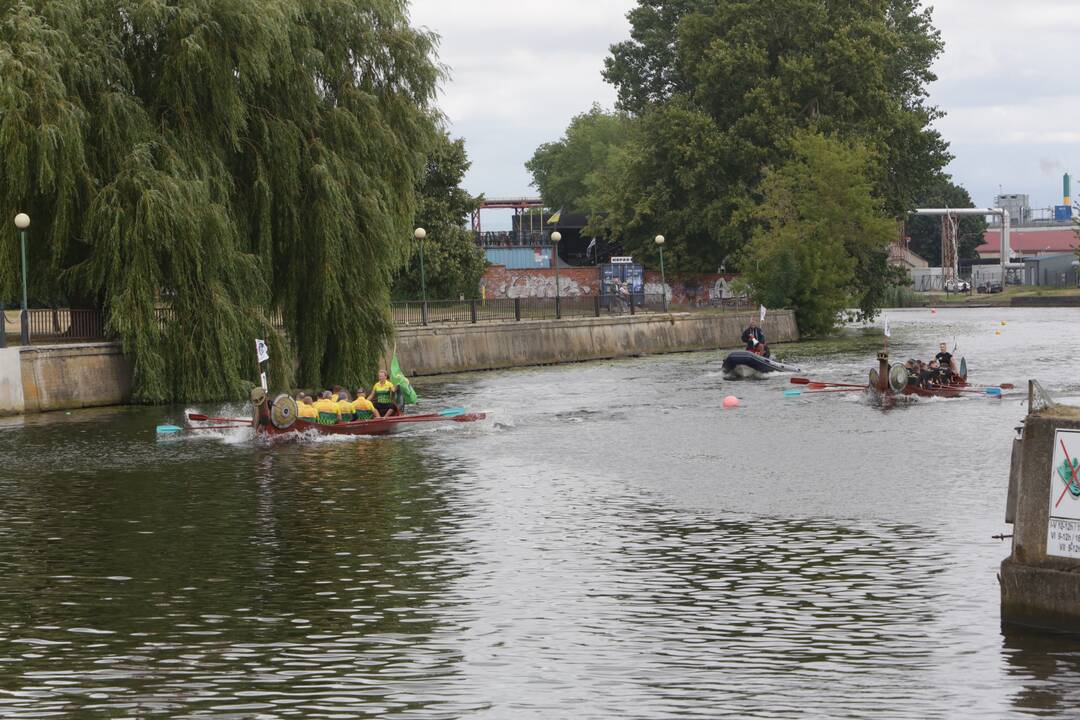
x: 198, y: 417
x: 452, y: 412
x: 817, y: 385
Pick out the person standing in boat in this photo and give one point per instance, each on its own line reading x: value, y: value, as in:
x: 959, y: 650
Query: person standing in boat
x: 945, y: 358
x: 382, y: 394
x: 754, y: 338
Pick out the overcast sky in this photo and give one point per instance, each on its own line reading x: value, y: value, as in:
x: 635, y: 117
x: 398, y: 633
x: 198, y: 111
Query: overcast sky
x: 520, y: 70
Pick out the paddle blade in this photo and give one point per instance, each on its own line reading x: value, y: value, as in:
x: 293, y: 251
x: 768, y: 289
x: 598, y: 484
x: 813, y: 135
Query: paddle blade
x: 1007, y: 386
x: 168, y: 429
x: 197, y: 417
x: 792, y: 393
x: 452, y: 412
x: 800, y: 381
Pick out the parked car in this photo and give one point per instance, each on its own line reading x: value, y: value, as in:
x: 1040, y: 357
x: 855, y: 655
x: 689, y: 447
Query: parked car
x: 990, y: 286
x: 957, y: 286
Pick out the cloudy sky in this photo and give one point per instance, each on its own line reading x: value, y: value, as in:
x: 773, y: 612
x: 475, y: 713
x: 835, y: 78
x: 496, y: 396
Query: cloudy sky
x: 520, y: 70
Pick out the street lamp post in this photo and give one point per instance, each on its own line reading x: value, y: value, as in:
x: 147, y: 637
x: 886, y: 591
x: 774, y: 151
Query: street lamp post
x: 555, y: 238
x: 22, y: 222
x: 663, y: 280
x: 420, y: 233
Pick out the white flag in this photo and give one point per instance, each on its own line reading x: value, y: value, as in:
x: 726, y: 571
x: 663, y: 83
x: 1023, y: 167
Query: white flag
x: 262, y: 381
x: 763, y: 311
x: 261, y: 351
x: 888, y: 332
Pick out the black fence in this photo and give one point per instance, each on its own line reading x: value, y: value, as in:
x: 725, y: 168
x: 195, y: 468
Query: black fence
x: 63, y: 325
x: 416, y: 312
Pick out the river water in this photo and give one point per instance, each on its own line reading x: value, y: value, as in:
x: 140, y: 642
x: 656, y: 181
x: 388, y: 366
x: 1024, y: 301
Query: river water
x: 610, y: 544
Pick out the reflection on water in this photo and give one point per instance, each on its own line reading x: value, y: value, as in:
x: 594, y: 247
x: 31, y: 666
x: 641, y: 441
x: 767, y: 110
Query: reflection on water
x: 612, y: 546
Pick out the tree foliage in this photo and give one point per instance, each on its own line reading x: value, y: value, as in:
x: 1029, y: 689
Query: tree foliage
x: 198, y: 168
x: 570, y: 173
x: 715, y: 92
x: 925, y: 231
x: 821, y: 245
x: 453, y: 263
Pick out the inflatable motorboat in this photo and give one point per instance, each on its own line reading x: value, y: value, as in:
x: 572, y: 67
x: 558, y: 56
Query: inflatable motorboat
x: 745, y: 364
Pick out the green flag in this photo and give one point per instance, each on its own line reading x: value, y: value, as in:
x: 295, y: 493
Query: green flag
x: 408, y: 395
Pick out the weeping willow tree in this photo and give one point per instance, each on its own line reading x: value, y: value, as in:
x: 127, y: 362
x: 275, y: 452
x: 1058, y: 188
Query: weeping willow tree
x: 200, y: 168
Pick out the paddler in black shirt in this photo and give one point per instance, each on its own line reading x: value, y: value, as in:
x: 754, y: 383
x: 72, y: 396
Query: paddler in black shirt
x: 944, y: 357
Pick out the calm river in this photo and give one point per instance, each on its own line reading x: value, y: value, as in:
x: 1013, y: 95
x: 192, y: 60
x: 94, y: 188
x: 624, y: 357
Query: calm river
x: 612, y: 544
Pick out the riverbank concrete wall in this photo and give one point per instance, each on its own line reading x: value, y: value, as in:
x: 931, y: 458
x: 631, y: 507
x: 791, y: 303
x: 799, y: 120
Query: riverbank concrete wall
x: 1040, y: 580
x: 490, y: 346
x: 63, y: 377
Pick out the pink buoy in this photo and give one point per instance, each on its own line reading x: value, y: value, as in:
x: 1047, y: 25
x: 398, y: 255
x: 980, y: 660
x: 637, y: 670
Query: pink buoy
x: 731, y: 402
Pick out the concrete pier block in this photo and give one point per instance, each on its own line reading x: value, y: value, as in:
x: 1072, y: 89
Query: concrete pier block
x: 1040, y: 581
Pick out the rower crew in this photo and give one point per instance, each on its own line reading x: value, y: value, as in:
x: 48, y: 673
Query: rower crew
x: 305, y: 409
x: 912, y: 367
x: 344, y: 407
x: 754, y: 338
x: 362, y: 407
x: 382, y: 394
x: 327, y: 409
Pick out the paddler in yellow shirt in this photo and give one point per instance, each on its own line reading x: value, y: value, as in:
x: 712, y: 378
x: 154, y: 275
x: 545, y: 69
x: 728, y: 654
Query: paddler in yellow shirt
x: 382, y: 394
x: 362, y: 407
x: 305, y: 410
x: 327, y: 409
x: 344, y: 407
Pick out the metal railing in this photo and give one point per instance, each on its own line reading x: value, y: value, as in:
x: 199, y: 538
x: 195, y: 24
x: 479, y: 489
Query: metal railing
x: 62, y: 325
x: 416, y: 312
x: 58, y: 325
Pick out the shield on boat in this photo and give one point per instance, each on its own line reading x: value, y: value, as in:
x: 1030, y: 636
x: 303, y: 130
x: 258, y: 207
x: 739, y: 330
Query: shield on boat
x: 873, y: 378
x: 898, y: 376
x: 283, y: 412
x: 963, y: 368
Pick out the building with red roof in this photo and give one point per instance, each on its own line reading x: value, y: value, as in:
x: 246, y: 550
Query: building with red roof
x: 1029, y: 242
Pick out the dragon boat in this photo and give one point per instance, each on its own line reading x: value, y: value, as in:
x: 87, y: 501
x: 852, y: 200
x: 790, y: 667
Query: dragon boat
x: 889, y: 382
x: 278, y: 417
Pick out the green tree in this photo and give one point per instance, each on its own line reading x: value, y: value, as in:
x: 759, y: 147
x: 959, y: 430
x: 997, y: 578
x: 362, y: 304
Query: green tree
x: 229, y: 159
x: 720, y: 87
x: 925, y: 231
x: 571, y: 171
x: 453, y: 263
x: 821, y: 245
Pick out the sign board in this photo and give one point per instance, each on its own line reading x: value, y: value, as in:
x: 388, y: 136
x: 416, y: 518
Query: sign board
x: 619, y: 260
x: 1063, y: 212
x: 1063, y: 535
x: 262, y: 381
x: 261, y: 351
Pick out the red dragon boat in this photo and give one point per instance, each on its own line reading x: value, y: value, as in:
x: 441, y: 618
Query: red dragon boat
x: 278, y: 417
x: 890, y: 382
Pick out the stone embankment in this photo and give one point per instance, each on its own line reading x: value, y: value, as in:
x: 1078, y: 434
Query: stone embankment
x: 490, y: 346
x: 64, y: 377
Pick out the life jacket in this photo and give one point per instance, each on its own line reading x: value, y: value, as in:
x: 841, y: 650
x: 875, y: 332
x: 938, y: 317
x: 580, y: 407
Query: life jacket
x: 308, y: 412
